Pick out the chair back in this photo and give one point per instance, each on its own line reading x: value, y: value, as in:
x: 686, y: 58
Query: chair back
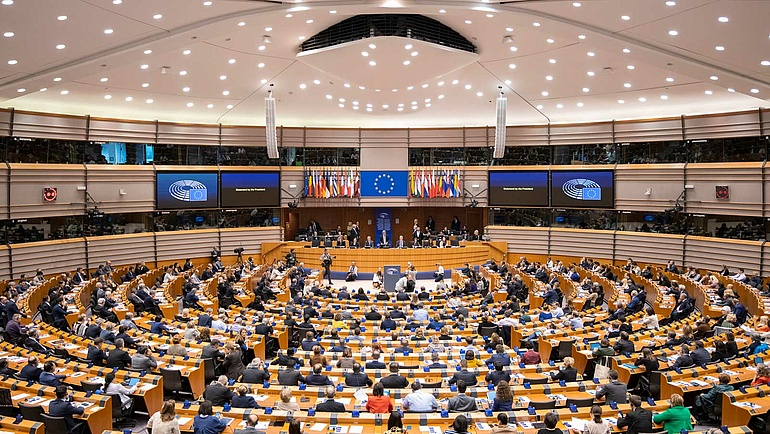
x: 208, y: 371
x: 487, y: 331
x: 117, y: 407
x: 89, y: 386
x: 721, y: 330
x: 436, y: 385
x: 547, y: 405
x: 5, y: 397
x: 54, y: 425
x: 565, y: 349
x: 580, y: 402
x: 172, y: 380
x: 717, y: 413
x: 543, y: 380
x: 32, y: 412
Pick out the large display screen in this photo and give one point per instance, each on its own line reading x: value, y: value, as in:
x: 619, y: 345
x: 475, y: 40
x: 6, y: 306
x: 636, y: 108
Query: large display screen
x: 583, y: 189
x: 518, y: 188
x: 250, y: 189
x: 186, y: 190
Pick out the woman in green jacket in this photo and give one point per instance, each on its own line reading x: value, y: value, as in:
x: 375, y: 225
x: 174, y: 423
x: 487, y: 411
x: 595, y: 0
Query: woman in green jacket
x: 676, y: 418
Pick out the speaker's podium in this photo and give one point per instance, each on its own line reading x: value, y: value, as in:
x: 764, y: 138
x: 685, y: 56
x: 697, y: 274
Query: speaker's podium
x: 390, y: 276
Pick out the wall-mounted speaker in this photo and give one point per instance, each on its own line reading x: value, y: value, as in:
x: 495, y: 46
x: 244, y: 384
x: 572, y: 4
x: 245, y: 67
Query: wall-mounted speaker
x: 502, y: 108
x: 271, y: 137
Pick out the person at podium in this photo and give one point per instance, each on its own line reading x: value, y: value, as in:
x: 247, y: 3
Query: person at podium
x: 382, y: 241
x: 401, y: 243
x: 369, y: 243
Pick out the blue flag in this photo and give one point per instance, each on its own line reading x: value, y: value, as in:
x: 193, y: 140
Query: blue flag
x: 380, y: 184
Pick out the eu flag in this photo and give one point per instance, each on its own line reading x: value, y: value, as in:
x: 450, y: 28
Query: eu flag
x: 380, y: 184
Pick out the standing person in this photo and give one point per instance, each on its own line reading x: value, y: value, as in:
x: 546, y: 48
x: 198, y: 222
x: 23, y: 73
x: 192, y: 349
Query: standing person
x: 164, y: 421
x: 326, y: 264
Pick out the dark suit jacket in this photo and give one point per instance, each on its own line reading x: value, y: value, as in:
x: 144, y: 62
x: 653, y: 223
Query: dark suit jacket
x: 218, y: 394
x: 204, y: 320
x: 637, y: 421
x: 30, y: 372
x: 290, y: 377
x: 60, y: 408
x: 395, y: 381
x: 244, y: 402
x: 375, y: 364
x: 118, y: 358
x: 96, y: 355
x: 318, y: 380
x: 468, y: 377
x: 358, y: 380
x: 614, y: 391
x: 330, y: 406
x: 255, y: 376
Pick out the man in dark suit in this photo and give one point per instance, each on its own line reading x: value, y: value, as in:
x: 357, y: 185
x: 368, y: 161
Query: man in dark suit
x: 401, y: 243
x: 330, y: 405
x: 204, y: 320
x: 316, y: 378
x: 369, y: 243
x: 33, y: 344
x: 639, y: 420
x: 614, y: 391
x: 217, y: 392
x: 357, y: 378
x: 288, y: 359
x: 388, y: 323
x: 497, y: 375
x: 290, y: 377
x: 79, y: 276
x: 30, y: 371
x: 499, y: 357
x: 60, y: 315
x: 463, y: 374
x: 373, y: 315
x: 394, y: 381
x: 95, y: 352
x: 118, y: 358
x: 251, y: 425
x: 255, y: 373
x: 436, y: 362
x: 212, y: 351
x: 623, y: 345
x: 375, y: 362
x: 382, y: 241
x: 61, y: 407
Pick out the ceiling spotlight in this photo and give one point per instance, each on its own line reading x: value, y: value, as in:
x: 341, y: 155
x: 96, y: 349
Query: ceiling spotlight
x: 512, y: 66
x: 64, y: 92
x: 241, y: 24
x: 551, y: 61
x: 664, y: 97
x: 440, y: 83
x: 266, y: 39
x: 261, y: 48
x: 149, y: 101
x: 670, y: 3
x: 586, y: 90
x: 107, y: 96
x: 549, y: 77
x: 580, y: 104
x: 626, y: 50
x: 714, y: 78
x: 226, y: 93
x: 731, y: 90
x: 231, y: 61
x: 309, y: 21
x: 468, y: 22
x: 631, y: 67
x: 372, y: 63
x: 642, y: 99
x: 208, y: 3
x: 508, y: 82
x: 414, y: 53
x: 719, y: 48
x: 544, y: 93
x: 539, y: 106
x: 185, y: 89
x: 145, y: 66
x: 223, y: 77
x: 627, y: 85
x: 145, y: 84
x: 559, y: 106
x: 263, y: 81
x: 410, y: 88
x: 8, y: 34
x: 21, y: 90
x: 108, y: 31
x: 61, y: 47
x: 755, y: 90
x: 129, y: 99
x: 62, y: 18
x: 372, y: 46
x: 536, y: 24
x: 57, y: 79
x: 514, y: 49
x: 670, y: 79
x: 620, y: 101
x: 765, y: 63
x: 13, y: 62
x: 260, y: 65
x: 590, y: 73
x: 186, y: 52
x: 316, y: 81
x: 182, y: 73
x: 723, y: 19
x: 210, y: 106
x: 490, y: 16
x: 625, y: 18
x: 332, y: 12
x: 577, y: 4
x: 550, y: 41
x: 406, y: 62
x: 303, y: 86
x: 468, y: 86
x: 507, y: 39
x: 591, y: 54
x: 708, y: 92
x: 147, y: 51
x: 104, y: 79
x: 673, y: 32
x: 455, y: 81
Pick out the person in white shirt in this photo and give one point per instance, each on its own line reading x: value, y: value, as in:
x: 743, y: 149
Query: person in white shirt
x: 401, y: 283
x: 439, y: 274
x: 111, y: 387
x: 352, y: 273
x: 557, y: 312
x: 217, y: 324
x: 740, y: 276
x: 651, y: 320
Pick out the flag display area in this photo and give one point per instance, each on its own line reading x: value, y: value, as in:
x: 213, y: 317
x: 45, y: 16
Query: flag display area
x: 435, y: 183
x: 332, y: 182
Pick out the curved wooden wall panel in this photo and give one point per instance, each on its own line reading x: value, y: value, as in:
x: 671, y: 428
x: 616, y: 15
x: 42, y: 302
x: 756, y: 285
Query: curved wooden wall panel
x: 648, y: 248
x: 521, y: 239
x: 104, y: 130
x: 665, y: 182
x: 186, y: 244
x: 250, y: 239
x: 121, y: 249
x: 575, y: 134
x: 723, y: 125
x: 745, y: 182
x: 28, y: 181
x: 652, y: 130
x: 711, y: 253
x: 107, y: 183
x: 57, y: 256
x: 49, y: 126
x: 568, y: 242
x: 4, y: 199
x: 5, y: 263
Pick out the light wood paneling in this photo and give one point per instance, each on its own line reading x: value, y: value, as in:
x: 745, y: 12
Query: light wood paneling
x: 186, y: 244
x: 53, y: 257
x: 105, y: 183
x: 385, y: 137
x: 723, y: 125
x: 530, y: 135
x: 665, y: 182
x: 521, y: 239
x: 332, y: 137
x: 28, y: 181
x: 188, y: 134
x: 648, y: 248
x: 765, y: 259
x: 4, y: 199
x: 5, y: 122
x: 652, y: 130
x: 579, y: 134
x: 744, y: 179
x: 121, y: 249
x: 571, y: 242
x: 48, y: 126
x: 711, y: 253
x: 243, y: 136
x: 106, y: 130
x: 250, y: 239
x: 5, y: 262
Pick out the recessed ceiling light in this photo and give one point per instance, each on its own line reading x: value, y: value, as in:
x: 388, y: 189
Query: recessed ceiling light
x: 631, y: 67
x: 442, y: 11
x: 551, y: 61
x: 708, y: 92
x: 723, y: 19
x: 332, y: 12
x: 309, y: 21
x: 591, y: 54
x: 13, y: 62
x: 559, y: 106
x: 227, y: 92
x: 714, y: 77
x: 429, y: 104
x: 147, y: 51
x: 43, y: 89
x: 509, y: 29
x: 57, y: 79
x: 362, y: 87
x: 730, y: 89
x: 107, y: 96
x: 590, y: 73
x: 157, y: 16
x: 328, y: 97
x: 372, y: 63
x: 370, y: 105
x: 208, y: 3
x: 263, y: 81
x: 185, y: 89
x: 64, y: 92
x: 346, y: 85
x: 620, y: 101
x: 414, y: 53
x: 241, y: 24
x: 62, y: 18
x: 642, y: 99
x: 189, y: 104
x: 104, y: 79
x: 544, y: 93
x: 372, y: 46
x: 580, y: 104
x: 288, y: 15
x: 765, y: 63
x: 549, y: 77
x: 455, y: 81
x: 186, y: 52
x: 577, y: 4
x: 539, y: 107
x: 260, y: 65
x: 490, y: 15
x: 385, y: 106
x: 626, y: 50
x: 514, y: 49
x: 21, y: 90
x: 670, y: 3
x: 223, y: 77
x: 440, y: 83
x: 754, y: 90
x: 626, y: 85
x: 536, y: 24
x: 441, y: 96
x: 145, y: 84
x: 182, y: 73
x: 303, y: 86
x: 145, y: 66
x: 210, y: 106
x: 231, y: 61
x: 129, y: 99
x: 425, y: 86
x: 550, y: 41
x: 117, y: 2
x: 512, y: 66
x: 664, y: 97
x: 508, y: 82
x: 261, y: 48
x: 410, y: 88
x: 625, y: 18
x: 341, y: 100
x: 8, y: 34
x: 301, y: 38
x: 468, y: 86
x: 108, y: 31
x: 316, y: 81
x: 406, y: 62
x: 365, y: 54
x: 586, y: 90
x: 719, y: 48
x: 670, y: 79
x: 673, y: 32
x: 408, y: 47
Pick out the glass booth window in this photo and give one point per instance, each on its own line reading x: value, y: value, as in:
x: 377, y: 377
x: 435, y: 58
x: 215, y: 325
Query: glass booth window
x: 652, y: 152
x: 520, y: 217
x: 524, y: 156
x: 51, y: 151
x: 584, y: 154
x: 739, y: 149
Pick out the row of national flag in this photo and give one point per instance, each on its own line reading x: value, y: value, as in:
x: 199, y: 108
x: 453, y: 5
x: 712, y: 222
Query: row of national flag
x: 335, y: 182
x: 431, y: 183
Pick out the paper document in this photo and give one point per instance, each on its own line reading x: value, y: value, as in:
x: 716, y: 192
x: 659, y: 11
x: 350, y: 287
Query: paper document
x: 358, y: 429
x: 184, y: 420
x: 577, y: 424
x: 318, y: 427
